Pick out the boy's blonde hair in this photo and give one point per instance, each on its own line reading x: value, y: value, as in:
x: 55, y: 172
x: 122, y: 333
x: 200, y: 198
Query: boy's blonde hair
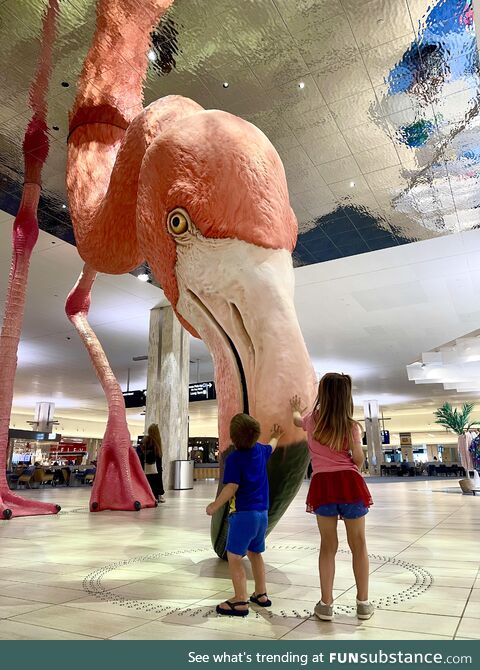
x: 244, y: 431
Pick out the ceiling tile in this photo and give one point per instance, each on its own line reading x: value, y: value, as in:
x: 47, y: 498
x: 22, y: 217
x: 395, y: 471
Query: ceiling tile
x: 322, y: 149
x: 367, y: 135
x: 304, y: 178
x: 313, y: 200
x: 381, y: 59
x: 339, y: 170
x: 243, y: 84
x: 300, y: 15
x: 385, y: 179
x: 179, y: 84
x: 278, y: 67
x: 378, y: 21
x: 377, y: 158
x: 351, y: 189
x: 354, y: 110
x: 252, y: 24
x: 319, y: 121
x: 289, y: 97
x: 343, y: 80
x: 327, y: 44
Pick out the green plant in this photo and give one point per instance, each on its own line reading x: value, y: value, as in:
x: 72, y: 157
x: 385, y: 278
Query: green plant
x: 456, y: 420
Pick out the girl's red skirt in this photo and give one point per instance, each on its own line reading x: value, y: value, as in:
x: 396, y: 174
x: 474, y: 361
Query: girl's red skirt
x: 343, y: 486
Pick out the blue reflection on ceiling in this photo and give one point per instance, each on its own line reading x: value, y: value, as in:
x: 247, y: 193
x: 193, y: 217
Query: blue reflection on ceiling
x: 445, y: 48
x: 345, y: 232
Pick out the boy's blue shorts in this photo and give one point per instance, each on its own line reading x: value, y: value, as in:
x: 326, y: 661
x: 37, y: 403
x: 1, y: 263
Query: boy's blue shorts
x: 246, y: 532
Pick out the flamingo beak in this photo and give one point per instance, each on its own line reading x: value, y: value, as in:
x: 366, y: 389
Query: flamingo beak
x: 239, y: 298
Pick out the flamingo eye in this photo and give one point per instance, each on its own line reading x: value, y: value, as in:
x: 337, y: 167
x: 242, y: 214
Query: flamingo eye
x: 178, y: 222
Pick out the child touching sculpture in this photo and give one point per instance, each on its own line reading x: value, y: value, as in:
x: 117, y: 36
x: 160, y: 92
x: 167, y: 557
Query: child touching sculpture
x: 337, y: 489
x: 246, y: 487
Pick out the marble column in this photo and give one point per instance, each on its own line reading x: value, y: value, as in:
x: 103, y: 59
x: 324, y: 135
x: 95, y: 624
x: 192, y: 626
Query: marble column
x: 167, y: 386
x: 374, y: 439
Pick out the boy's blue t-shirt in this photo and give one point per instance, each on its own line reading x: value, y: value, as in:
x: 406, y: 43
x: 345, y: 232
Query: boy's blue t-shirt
x: 248, y: 469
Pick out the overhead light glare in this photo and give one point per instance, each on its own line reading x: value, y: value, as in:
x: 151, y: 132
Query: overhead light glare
x: 152, y: 56
x: 352, y: 184
x: 225, y: 84
x: 143, y: 277
x: 301, y: 84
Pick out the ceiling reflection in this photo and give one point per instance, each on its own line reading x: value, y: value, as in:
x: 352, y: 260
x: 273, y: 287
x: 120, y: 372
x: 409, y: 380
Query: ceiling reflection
x: 381, y: 144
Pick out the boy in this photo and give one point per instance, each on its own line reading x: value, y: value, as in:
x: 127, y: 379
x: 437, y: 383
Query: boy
x: 246, y: 487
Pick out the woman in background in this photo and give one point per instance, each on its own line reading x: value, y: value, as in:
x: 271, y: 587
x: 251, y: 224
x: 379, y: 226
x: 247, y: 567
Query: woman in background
x: 151, y: 459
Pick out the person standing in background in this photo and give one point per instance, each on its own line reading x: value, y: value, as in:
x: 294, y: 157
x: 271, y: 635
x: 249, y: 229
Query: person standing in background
x: 150, y: 454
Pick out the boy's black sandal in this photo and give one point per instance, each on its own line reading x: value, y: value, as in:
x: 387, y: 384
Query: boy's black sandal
x: 232, y: 611
x: 255, y: 598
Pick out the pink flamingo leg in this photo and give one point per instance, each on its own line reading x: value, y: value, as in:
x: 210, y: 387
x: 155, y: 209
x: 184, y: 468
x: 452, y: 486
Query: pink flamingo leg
x: 25, y: 235
x: 104, y: 160
x: 120, y: 483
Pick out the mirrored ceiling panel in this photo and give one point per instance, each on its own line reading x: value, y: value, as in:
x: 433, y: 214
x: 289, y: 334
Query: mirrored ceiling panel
x: 373, y: 106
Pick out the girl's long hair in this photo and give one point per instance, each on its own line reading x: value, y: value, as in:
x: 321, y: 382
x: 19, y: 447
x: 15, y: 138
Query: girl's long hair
x: 153, y: 439
x: 333, y: 411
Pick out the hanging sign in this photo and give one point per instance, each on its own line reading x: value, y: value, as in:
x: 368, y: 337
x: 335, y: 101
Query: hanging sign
x: 134, y: 399
x: 405, y: 439
x: 201, y: 391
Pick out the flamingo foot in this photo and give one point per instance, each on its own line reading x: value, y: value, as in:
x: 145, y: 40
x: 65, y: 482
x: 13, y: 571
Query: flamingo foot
x: 12, y: 505
x: 120, y: 483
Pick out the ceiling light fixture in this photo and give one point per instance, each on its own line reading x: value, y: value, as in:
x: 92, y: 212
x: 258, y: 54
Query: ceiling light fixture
x: 143, y: 277
x: 152, y: 56
x: 352, y: 184
x: 301, y: 84
x: 225, y: 84
x: 64, y: 206
x: 455, y: 365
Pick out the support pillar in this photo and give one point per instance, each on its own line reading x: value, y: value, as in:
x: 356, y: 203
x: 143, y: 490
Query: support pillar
x: 374, y: 439
x: 167, y: 386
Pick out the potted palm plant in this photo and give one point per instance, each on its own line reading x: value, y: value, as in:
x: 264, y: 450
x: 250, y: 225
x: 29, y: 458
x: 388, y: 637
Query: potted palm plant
x: 458, y: 421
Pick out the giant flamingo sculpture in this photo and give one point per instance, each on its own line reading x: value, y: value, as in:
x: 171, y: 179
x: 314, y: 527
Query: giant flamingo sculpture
x: 202, y: 196
x: 25, y: 235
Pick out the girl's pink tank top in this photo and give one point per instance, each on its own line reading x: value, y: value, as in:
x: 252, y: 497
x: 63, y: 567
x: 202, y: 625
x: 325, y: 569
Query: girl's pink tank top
x: 325, y: 459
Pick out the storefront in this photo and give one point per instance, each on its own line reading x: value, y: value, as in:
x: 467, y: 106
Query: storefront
x: 29, y: 447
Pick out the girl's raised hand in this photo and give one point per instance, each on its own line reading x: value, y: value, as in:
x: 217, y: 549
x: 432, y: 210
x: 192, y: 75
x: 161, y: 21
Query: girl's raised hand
x: 296, y: 404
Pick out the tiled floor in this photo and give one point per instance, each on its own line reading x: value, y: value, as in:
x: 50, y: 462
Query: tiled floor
x: 152, y: 574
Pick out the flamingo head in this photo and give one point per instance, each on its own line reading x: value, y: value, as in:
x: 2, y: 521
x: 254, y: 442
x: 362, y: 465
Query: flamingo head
x: 216, y: 226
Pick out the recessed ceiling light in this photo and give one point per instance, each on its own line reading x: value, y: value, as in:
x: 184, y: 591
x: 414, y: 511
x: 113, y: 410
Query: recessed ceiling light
x: 301, y: 84
x: 143, y: 277
x: 352, y: 184
x: 65, y: 84
x: 64, y: 206
x: 225, y: 84
x: 152, y: 55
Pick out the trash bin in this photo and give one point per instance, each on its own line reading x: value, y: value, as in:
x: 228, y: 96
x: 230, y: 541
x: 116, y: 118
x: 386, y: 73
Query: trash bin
x: 183, y: 475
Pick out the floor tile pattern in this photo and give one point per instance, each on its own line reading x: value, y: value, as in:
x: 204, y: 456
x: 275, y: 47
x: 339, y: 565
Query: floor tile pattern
x: 152, y: 574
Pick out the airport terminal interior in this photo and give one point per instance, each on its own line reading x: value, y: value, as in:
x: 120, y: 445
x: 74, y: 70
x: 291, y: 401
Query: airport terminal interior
x: 206, y: 206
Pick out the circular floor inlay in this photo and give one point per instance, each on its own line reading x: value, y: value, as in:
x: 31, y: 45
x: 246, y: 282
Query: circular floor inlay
x: 420, y: 581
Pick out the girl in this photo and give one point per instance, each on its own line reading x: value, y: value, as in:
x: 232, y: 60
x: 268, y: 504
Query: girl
x: 337, y: 489
x: 151, y: 459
